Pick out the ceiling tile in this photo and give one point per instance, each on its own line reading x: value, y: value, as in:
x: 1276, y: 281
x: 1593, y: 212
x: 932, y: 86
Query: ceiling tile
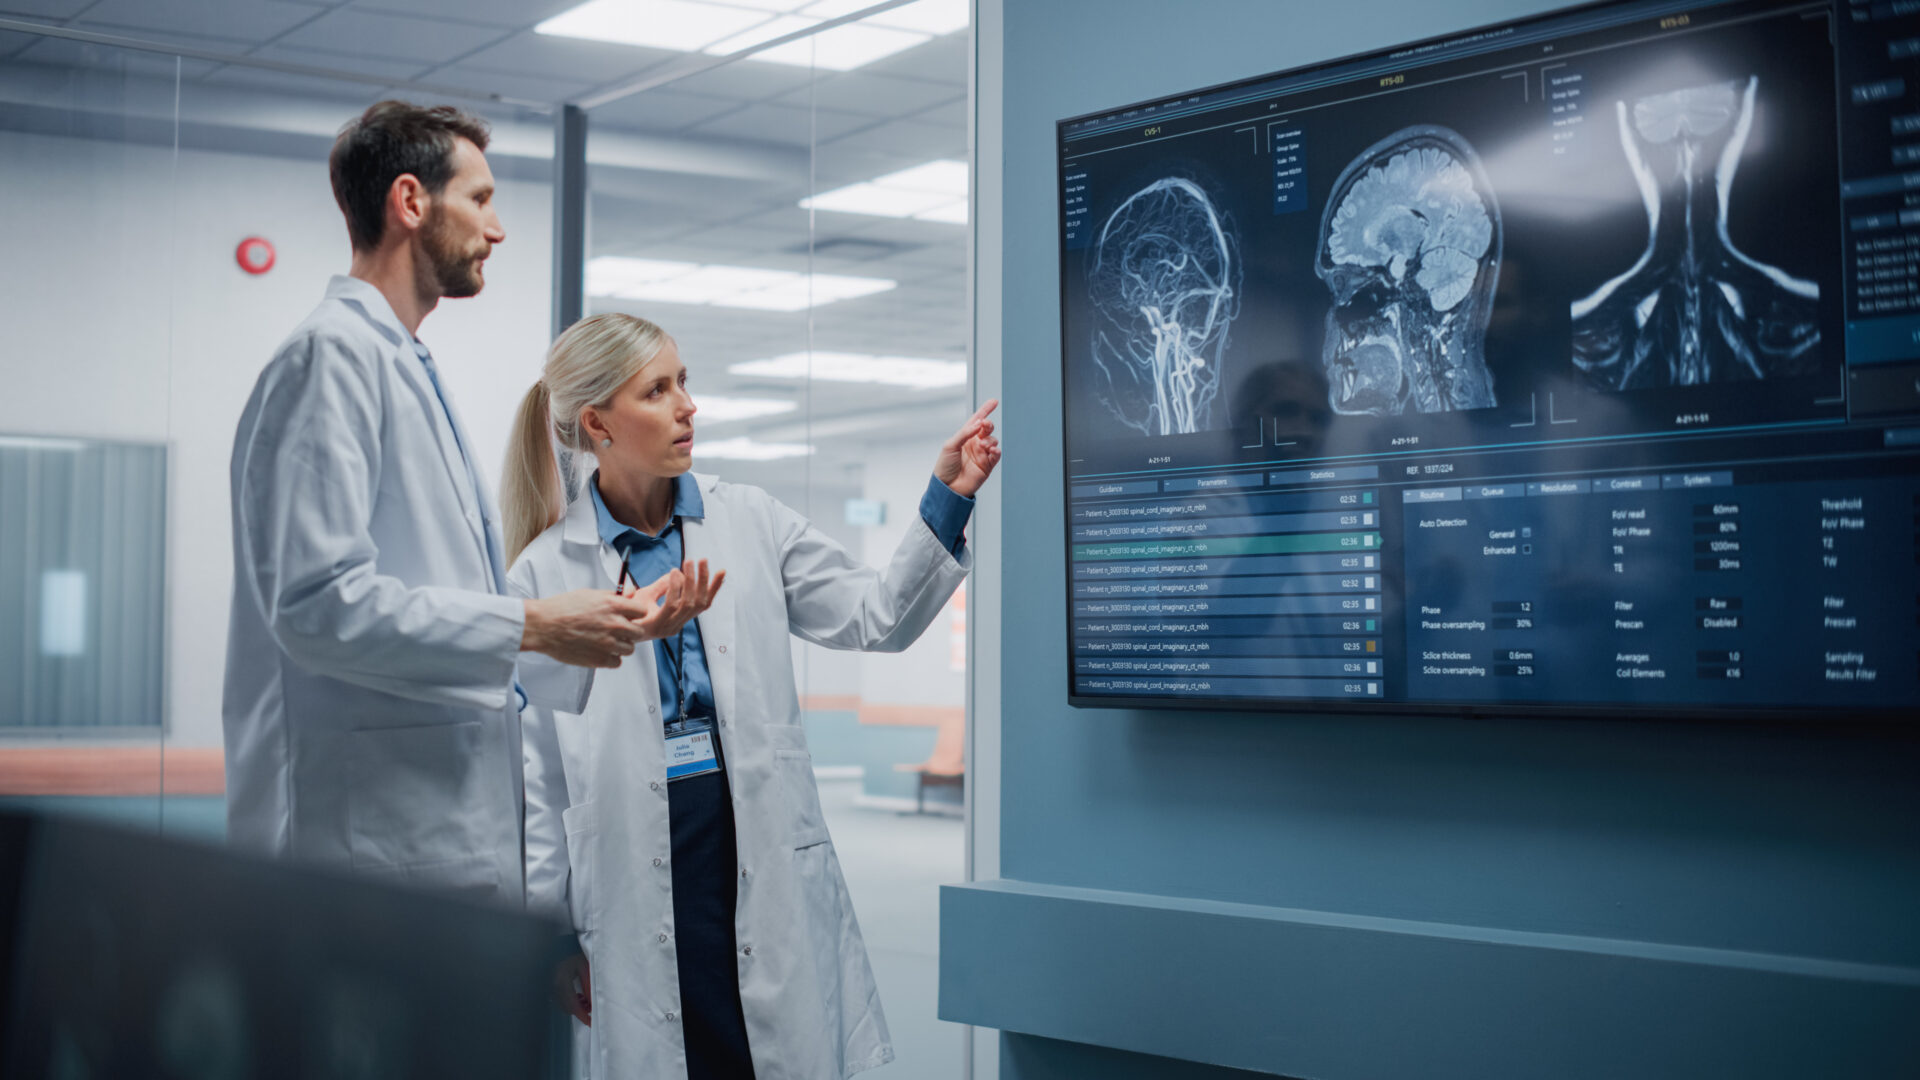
x: 952, y: 113
x: 903, y: 137
x: 62, y: 52
x: 526, y: 87
x: 399, y: 37
x: 543, y: 56
x: 735, y: 239
x: 298, y: 86
x: 944, y: 59
x: 660, y: 110
x: 870, y: 95
x: 11, y: 42
x: 512, y: 14
x: 44, y: 9
x: 746, y: 80
x: 361, y: 65
x: 783, y: 124
x: 251, y: 21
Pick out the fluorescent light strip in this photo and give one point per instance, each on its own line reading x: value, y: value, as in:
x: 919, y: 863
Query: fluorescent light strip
x: 719, y: 409
x: 915, y: 372
x: 733, y: 26
x: 683, y: 25
x: 742, y: 448
x: 723, y: 286
x: 935, y: 191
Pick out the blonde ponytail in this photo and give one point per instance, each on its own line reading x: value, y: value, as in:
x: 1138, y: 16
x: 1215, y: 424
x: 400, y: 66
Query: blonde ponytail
x: 530, y: 496
x: 587, y: 364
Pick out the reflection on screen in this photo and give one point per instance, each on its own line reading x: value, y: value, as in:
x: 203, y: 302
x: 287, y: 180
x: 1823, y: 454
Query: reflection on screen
x: 1572, y: 364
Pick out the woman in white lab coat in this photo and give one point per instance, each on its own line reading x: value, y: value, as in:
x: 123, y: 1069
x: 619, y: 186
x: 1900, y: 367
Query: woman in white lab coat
x: 671, y: 808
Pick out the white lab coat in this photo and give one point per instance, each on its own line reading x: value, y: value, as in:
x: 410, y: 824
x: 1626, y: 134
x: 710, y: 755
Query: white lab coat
x: 369, y: 712
x: 598, y: 843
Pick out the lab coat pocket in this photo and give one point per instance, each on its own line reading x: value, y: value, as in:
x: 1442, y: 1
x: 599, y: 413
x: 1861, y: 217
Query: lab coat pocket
x: 800, y: 794
x: 416, y: 805
x: 579, y: 821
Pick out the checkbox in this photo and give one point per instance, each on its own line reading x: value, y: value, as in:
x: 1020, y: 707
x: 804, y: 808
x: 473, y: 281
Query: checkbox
x: 1372, y: 583
x: 1373, y: 667
x: 1372, y: 603
x: 1526, y: 549
x: 1366, y: 519
x: 1369, y: 562
x: 1526, y: 531
x: 1373, y: 688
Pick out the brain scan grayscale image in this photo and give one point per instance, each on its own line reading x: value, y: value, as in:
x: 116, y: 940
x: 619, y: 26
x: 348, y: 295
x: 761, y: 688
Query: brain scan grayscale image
x: 1164, y: 275
x: 1410, y: 249
x: 1693, y: 308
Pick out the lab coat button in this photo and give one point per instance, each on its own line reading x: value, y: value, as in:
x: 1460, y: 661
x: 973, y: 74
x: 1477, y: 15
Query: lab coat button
x: 663, y: 939
x: 748, y: 951
x: 669, y: 1015
x: 651, y: 709
x: 654, y: 786
x: 657, y: 862
x: 723, y: 648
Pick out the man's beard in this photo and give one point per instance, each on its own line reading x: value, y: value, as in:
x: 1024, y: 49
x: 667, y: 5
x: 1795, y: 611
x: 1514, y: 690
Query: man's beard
x: 455, y: 272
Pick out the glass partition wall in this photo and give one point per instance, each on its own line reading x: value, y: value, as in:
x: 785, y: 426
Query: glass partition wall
x: 168, y: 221
x: 797, y: 220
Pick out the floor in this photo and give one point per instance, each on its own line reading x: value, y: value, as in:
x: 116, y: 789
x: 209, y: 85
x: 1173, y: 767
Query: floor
x: 895, y: 864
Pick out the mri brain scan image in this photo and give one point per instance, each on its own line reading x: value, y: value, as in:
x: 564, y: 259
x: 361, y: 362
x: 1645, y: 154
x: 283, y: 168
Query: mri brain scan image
x: 1164, y: 276
x: 1410, y: 250
x: 1693, y: 308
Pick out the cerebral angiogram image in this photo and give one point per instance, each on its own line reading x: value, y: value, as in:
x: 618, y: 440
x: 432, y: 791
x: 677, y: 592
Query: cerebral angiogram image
x: 1693, y: 308
x: 1410, y: 246
x: 1164, y: 275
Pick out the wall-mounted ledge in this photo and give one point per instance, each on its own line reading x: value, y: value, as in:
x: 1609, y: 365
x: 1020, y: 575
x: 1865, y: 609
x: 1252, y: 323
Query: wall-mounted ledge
x: 1327, y: 995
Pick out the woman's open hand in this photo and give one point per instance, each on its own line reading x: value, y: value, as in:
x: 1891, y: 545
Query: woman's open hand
x: 968, y: 458
x: 675, y: 598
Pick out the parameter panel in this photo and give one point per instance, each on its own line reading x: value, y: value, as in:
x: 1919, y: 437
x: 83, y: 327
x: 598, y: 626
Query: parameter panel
x: 1571, y: 365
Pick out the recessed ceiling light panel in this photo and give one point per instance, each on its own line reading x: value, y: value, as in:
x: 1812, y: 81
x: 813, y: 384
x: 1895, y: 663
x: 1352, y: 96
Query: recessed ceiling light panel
x: 934, y: 191
x: 915, y: 372
x: 723, y: 286
x: 741, y: 448
x: 685, y: 25
x: 721, y: 409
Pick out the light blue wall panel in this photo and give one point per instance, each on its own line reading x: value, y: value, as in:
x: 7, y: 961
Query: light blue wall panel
x: 1789, y: 843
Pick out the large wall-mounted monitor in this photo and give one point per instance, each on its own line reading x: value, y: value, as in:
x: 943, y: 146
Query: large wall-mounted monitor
x: 1565, y: 365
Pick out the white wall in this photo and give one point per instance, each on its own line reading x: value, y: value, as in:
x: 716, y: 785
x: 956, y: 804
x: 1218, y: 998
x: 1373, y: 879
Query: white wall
x: 125, y: 317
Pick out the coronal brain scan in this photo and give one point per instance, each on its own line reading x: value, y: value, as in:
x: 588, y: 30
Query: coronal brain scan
x: 1410, y: 249
x: 1693, y: 308
x: 1164, y: 277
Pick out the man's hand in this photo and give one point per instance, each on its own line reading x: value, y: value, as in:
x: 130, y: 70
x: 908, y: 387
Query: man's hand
x: 573, y: 987
x: 676, y: 597
x: 586, y: 627
x: 968, y: 458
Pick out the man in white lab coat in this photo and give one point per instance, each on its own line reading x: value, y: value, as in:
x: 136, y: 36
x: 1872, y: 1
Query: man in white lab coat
x: 371, y: 714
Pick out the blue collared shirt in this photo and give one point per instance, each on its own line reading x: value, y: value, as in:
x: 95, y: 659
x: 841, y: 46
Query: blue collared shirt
x: 649, y: 556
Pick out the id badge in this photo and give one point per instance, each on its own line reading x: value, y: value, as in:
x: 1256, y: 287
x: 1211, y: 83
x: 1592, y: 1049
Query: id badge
x: 691, y: 750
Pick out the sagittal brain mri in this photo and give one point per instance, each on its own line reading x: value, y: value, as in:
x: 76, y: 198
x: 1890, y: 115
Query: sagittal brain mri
x: 1164, y: 276
x: 1693, y: 308
x: 1410, y: 250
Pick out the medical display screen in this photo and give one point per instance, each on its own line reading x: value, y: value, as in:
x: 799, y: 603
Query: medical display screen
x: 1571, y: 365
